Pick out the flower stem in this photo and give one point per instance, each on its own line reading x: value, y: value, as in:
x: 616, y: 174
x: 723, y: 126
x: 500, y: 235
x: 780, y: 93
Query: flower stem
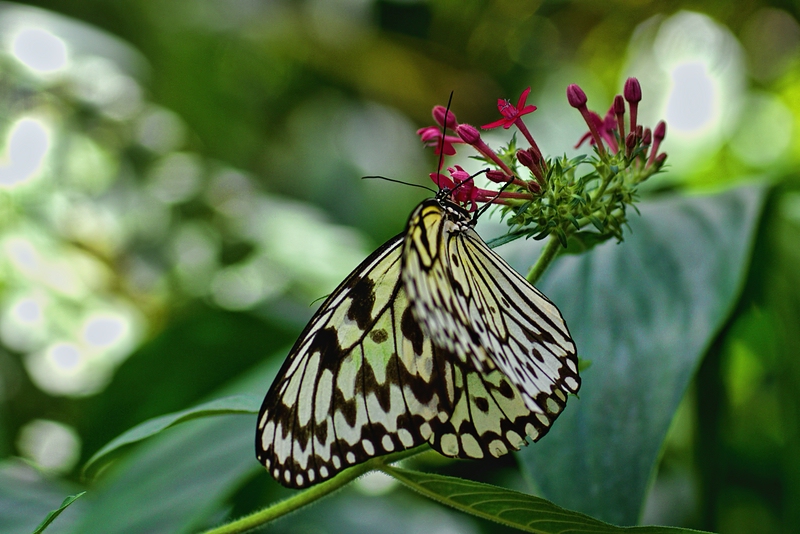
x: 312, y: 494
x: 548, y: 255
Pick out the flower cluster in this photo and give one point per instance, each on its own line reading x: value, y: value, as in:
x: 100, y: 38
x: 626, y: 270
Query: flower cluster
x: 555, y: 199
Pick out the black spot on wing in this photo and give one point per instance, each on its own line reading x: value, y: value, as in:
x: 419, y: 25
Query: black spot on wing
x: 363, y: 300
x: 378, y: 335
x: 505, y: 390
x: 326, y: 343
x: 482, y: 404
x: 411, y: 330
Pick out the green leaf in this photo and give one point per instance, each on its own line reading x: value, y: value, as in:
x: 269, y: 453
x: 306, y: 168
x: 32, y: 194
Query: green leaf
x: 510, y: 508
x: 644, y: 312
x: 181, y: 478
x: 176, y: 481
x: 507, y: 238
x: 237, y: 404
x: 55, y: 513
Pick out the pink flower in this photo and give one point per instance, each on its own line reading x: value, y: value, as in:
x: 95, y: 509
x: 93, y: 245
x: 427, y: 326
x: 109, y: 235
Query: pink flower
x: 463, y: 188
x: 511, y: 114
x: 432, y: 136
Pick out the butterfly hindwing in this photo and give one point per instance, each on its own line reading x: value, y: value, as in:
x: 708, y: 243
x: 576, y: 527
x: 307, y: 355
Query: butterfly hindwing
x: 489, y: 417
x: 360, y: 381
x: 473, y: 304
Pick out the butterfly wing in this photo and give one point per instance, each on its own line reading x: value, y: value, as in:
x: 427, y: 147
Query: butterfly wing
x: 360, y: 381
x: 469, y: 301
x: 489, y: 416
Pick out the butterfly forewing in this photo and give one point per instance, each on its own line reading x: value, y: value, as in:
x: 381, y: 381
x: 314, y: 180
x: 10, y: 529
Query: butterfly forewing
x: 360, y: 381
x: 470, y: 301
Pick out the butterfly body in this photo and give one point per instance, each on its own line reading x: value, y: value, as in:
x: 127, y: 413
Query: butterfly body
x: 432, y: 338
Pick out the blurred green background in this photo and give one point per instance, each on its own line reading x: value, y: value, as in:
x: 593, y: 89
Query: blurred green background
x: 180, y: 180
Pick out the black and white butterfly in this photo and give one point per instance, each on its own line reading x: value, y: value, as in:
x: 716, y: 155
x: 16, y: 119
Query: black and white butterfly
x: 433, y: 338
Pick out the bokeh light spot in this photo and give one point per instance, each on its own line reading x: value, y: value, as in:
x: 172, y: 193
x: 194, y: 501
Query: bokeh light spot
x: 65, y: 356
x: 691, y: 102
x: 104, y: 331
x: 28, y: 311
x: 23, y: 324
x: 160, y: 130
x: 40, y: 50
x: 23, y: 255
x: 27, y: 144
x: 176, y: 178
x: 64, y: 368
x: 51, y: 445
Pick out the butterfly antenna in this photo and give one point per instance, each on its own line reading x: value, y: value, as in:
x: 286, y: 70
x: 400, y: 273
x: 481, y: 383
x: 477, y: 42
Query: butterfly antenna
x: 444, y: 132
x: 397, y: 182
x: 488, y: 204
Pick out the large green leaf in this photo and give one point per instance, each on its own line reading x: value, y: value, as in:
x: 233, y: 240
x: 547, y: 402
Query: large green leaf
x: 237, y: 404
x: 512, y: 508
x: 644, y: 312
x: 174, y: 482
x: 177, y: 480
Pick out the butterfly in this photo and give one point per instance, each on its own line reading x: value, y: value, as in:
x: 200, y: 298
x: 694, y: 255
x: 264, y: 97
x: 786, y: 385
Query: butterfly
x: 433, y: 338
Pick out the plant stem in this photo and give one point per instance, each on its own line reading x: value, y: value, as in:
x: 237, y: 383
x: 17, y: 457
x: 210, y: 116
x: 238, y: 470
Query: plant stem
x: 548, y: 255
x: 312, y: 494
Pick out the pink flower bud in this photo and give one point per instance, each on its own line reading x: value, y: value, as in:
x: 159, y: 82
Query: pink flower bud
x: 633, y: 94
x: 630, y: 143
x: 534, y: 186
x: 619, y: 111
x: 658, y: 135
x: 498, y: 176
x: 619, y: 105
x: 633, y: 91
x: 468, y: 133
x: 660, y: 159
x: 647, y: 137
x: 661, y: 131
x: 524, y: 157
x: 439, y: 114
x: 575, y: 96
